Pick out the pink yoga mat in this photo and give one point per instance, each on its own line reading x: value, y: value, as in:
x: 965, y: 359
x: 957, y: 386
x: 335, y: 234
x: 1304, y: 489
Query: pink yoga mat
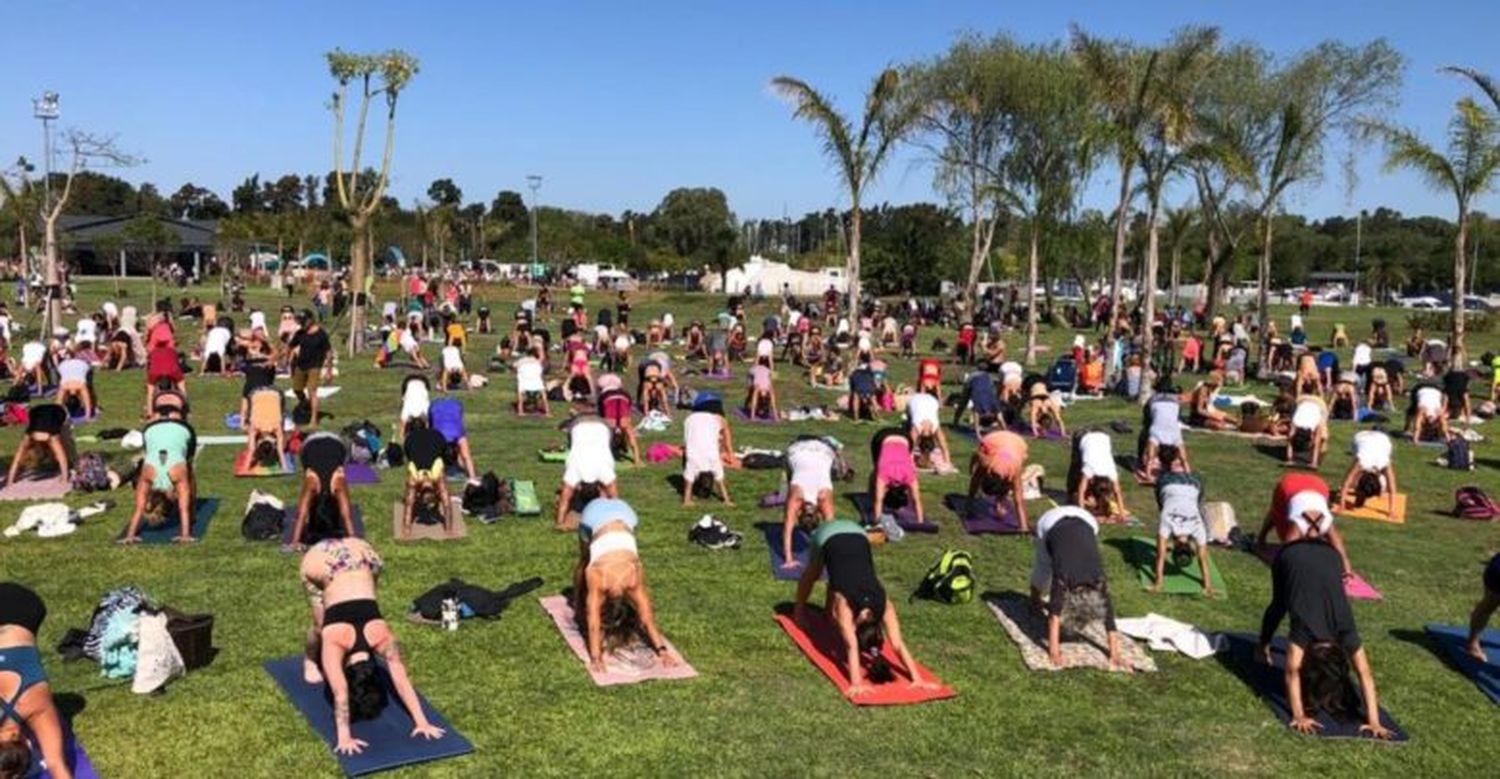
x: 628, y: 669
x: 35, y: 489
x: 1354, y: 587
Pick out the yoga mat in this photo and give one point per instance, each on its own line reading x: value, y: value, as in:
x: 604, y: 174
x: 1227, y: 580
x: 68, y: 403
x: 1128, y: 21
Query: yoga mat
x: 1354, y: 587
x: 291, y: 518
x: 32, y: 487
x: 323, y: 392
x: 212, y: 440
x: 203, y: 513
x: 1028, y: 630
x: 81, y: 419
x: 1048, y: 434
x: 822, y: 645
x: 773, y: 500
x: 983, y: 516
x: 801, y: 549
x: 906, y: 516
x: 360, y: 473
x: 524, y: 493
x: 1269, y: 682
x: 639, y: 665
x: 1187, y: 580
x: 552, y: 456
x: 78, y: 760
x: 1261, y: 437
x: 1486, y: 676
x: 245, y: 470
x: 421, y: 532
x: 389, y: 740
x: 232, y: 421
x: 1375, y: 508
x: 745, y: 416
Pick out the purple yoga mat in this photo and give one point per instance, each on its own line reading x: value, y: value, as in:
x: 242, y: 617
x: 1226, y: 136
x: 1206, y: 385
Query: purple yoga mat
x: 83, y: 768
x: 742, y: 414
x: 983, y: 516
x: 361, y: 473
x: 906, y: 516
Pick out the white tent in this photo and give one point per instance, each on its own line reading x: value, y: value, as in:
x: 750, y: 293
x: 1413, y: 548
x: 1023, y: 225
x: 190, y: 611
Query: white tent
x: 771, y: 278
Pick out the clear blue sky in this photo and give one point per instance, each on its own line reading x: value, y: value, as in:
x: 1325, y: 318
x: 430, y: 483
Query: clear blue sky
x: 616, y: 103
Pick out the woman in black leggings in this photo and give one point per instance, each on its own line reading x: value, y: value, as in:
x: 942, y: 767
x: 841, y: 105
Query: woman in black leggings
x: 323, y: 508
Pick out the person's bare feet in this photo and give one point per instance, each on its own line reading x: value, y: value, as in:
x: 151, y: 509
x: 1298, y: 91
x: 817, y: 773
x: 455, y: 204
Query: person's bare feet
x: 311, y: 673
x: 1477, y: 652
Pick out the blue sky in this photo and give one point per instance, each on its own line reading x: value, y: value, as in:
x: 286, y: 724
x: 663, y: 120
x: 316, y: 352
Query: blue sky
x: 616, y: 103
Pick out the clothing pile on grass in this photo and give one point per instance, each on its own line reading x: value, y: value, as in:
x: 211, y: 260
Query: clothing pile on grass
x: 131, y: 637
x: 53, y: 520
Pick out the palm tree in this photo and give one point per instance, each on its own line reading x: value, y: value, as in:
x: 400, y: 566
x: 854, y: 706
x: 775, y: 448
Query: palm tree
x: 859, y: 152
x: 1468, y: 170
x: 1177, y: 225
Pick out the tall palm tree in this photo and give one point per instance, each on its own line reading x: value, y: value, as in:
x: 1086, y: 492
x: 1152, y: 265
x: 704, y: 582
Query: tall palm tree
x: 1176, y: 226
x: 859, y: 151
x: 1467, y: 168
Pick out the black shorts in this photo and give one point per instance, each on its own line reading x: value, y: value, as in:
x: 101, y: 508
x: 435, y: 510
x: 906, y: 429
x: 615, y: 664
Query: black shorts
x: 1492, y: 575
x: 48, y: 418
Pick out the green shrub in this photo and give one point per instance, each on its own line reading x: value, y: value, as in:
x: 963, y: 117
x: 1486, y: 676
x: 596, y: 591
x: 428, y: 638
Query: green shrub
x: 1442, y: 321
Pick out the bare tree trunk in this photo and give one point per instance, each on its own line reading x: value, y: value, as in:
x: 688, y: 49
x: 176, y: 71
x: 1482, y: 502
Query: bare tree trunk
x: 53, y: 317
x: 1031, y: 294
x: 359, y: 266
x: 1176, y: 274
x: 1460, y: 273
x: 1148, y: 313
x: 853, y: 270
x: 1263, y: 296
x: 1119, y: 269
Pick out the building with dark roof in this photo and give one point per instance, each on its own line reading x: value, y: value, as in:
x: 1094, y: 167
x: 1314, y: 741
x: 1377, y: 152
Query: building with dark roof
x: 100, y: 246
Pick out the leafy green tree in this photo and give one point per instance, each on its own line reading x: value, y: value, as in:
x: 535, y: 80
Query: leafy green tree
x: 248, y: 197
x: 1467, y: 168
x: 508, y: 207
x: 444, y: 192
x: 149, y: 238
x: 696, y: 223
x: 282, y: 196
x: 191, y: 201
x: 860, y: 151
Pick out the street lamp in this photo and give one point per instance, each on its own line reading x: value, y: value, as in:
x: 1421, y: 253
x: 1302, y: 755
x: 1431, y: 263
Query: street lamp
x: 533, y: 181
x: 46, y: 108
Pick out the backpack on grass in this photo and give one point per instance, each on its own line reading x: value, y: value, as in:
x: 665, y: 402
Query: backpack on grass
x: 1458, y: 457
x: 1471, y: 503
x: 949, y: 580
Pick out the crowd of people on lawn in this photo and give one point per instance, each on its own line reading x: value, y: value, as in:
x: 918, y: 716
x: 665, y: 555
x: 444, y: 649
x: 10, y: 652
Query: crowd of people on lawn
x: 584, y: 372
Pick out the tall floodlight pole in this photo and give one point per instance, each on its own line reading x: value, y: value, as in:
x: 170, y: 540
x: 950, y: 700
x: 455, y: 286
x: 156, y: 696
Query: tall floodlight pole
x: 533, y: 181
x: 47, y: 109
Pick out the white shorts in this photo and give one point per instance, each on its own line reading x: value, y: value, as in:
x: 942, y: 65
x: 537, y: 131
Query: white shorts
x: 589, y: 467
x: 1175, y: 525
x: 535, y: 384
x: 698, y: 465
x: 812, y: 483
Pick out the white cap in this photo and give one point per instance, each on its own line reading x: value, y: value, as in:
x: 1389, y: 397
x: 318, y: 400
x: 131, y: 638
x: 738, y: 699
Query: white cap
x: 1309, y: 502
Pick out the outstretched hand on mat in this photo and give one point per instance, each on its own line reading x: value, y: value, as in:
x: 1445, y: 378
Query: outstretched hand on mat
x: 350, y: 746
x: 428, y: 731
x: 1308, y: 725
x: 1376, y: 731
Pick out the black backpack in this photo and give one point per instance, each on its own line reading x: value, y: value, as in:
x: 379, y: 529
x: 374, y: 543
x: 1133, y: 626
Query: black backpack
x: 483, y: 499
x: 1458, y: 455
x: 262, y: 522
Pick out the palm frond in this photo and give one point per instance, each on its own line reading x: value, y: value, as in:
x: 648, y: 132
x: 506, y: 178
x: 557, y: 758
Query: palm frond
x: 810, y: 105
x: 1486, y: 84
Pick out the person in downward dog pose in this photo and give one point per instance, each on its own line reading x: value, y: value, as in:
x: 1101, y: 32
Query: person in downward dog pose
x: 609, y: 585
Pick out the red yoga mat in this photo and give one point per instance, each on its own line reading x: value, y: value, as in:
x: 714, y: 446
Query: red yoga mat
x: 826, y: 651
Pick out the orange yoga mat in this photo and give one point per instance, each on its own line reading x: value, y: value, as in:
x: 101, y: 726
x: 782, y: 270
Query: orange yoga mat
x: 825, y: 649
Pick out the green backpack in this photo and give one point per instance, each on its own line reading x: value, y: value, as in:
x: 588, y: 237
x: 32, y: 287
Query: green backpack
x: 950, y: 579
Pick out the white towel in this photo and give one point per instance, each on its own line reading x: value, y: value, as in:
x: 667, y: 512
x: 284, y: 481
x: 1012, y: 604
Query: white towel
x: 157, y: 660
x: 1164, y: 634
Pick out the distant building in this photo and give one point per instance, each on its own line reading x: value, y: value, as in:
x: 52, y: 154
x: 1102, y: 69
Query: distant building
x: 77, y: 236
x: 771, y: 278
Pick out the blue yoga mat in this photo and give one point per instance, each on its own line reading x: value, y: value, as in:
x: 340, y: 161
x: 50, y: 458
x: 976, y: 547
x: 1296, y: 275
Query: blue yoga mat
x: 1270, y: 683
x: 388, y: 736
x: 1486, y: 676
x: 800, y: 550
x: 203, y: 513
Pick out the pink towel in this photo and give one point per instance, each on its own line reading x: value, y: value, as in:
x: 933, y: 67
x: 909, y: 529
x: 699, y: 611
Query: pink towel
x: 661, y: 452
x: 1357, y: 588
x: 622, y: 668
x: 33, y: 490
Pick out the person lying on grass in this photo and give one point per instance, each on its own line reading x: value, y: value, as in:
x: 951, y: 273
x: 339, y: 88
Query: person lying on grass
x: 348, y: 639
x: 1179, y: 503
x: 1323, y: 641
x: 610, y: 597
x: 1295, y: 495
x: 995, y: 469
x: 760, y: 394
x: 426, y: 498
x: 165, y: 480
x: 1372, y: 474
x: 856, y: 601
x: 1094, y: 478
x: 1042, y: 412
x: 708, y: 445
x: 324, y: 509
x: 1162, y: 422
x: 809, y: 489
x: 590, y: 462
x: 1309, y: 430
x: 1479, y: 618
x: 1067, y: 566
x: 891, y: 451
x: 30, y: 725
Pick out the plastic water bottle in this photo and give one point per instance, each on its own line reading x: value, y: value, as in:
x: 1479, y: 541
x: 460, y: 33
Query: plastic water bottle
x: 450, y: 614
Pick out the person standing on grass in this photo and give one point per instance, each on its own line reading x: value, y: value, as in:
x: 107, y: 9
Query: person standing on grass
x: 312, y: 363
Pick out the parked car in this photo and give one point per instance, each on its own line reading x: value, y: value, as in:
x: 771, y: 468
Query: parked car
x: 1423, y: 302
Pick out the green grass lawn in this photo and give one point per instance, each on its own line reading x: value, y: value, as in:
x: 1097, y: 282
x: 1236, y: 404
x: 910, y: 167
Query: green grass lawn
x: 758, y: 707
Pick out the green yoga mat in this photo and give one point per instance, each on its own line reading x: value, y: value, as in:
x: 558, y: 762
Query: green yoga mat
x: 1141, y: 554
x: 524, y: 493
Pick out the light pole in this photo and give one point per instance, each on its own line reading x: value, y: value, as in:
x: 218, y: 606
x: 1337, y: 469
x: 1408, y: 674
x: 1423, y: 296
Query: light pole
x: 46, y: 108
x: 534, y: 181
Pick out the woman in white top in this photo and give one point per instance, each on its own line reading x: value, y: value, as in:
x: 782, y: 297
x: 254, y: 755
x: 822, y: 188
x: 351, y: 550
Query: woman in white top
x: 1309, y: 430
x: 87, y: 332
x: 1430, y: 414
x: 705, y: 436
x: 1372, y: 474
x: 73, y: 381
x: 591, y: 460
x: 416, y: 400
x: 216, y: 350
x: 609, y: 585
x: 924, y: 426
x: 809, y: 468
x: 453, y: 371
x: 34, y: 364
x: 1098, y: 483
x: 531, y: 388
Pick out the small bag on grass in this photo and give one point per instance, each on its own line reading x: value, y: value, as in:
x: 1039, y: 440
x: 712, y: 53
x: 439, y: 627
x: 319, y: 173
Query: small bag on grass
x: 949, y: 580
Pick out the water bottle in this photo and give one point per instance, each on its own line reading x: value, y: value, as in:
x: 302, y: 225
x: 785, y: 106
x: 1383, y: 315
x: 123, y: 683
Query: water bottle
x: 450, y: 614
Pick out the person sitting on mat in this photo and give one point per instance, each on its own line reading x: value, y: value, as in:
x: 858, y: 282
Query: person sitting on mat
x: 1042, y: 411
x: 1297, y: 494
x: 426, y: 495
x: 75, y: 384
x: 616, y: 411
x: 30, y: 725
x: 531, y: 388
x: 324, y: 509
x: 1309, y: 430
x: 447, y: 418
x: 348, y: 637
x: 1323, y: 640
x: 809, y: 487
x: 1479, y: 618
x: 1201, y: 409
x: 1163, y: 425
x: 165, y: 479
x: 1344, y: 401
x: 1179, y: 503
x: 996, y: 469
x: 1093, y: 478
x: 760, y: 394
x: 1067, y: 566
x: 891, y: 451
x: 590, y: 461
x: 611, y: 598
x: 416, y: 400
x: 925, y: 427
x: 49, y: 429
x: 856, y: 602
x: 1427, y: 414
x: 1371, y: 475
x: 707, y: 443
x: 265, y: 425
